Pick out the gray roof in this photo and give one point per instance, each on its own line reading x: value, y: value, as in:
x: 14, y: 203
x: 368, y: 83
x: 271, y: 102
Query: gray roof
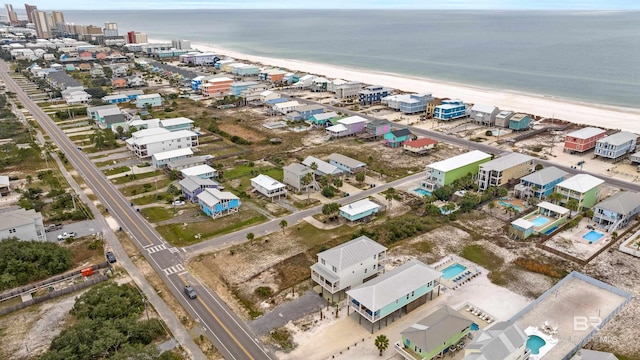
x: 345, y: 160
x: 63, y: 78
x: 496, y: 342
x: 378, y: 122
x: 401, y: 132
x: 213, y: 196
x: 506, y: 162
x: 16, y: 217
x: 545, y: 176
x: 296, y: 169
x: 435, y: 329
x: 114, y: 119
x: 618, y: 138
x: 584, y: 354
x: 309, y: 108
x: 621, y: 203
x: 101, y: 107
x: 323, y: 167
x: 351, y: 252
x: 186, y: 161
x: 586, y: 133
x: 192, y: 183
x: 396, y: 283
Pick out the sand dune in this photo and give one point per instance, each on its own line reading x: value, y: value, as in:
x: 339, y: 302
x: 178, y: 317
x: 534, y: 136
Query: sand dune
x: 574, y: 111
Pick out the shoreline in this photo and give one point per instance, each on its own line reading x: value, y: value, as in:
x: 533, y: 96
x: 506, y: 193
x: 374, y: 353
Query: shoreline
x: 549, y: 106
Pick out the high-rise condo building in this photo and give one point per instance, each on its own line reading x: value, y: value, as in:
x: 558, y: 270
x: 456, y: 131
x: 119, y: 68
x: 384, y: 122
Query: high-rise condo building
x: 11, y: 14
x: 58, y: 17
x: 29, y: 9
x: 110, y: 29
x: 41, y: 22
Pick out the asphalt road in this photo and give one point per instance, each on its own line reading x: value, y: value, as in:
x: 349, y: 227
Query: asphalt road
x: 227, y: 332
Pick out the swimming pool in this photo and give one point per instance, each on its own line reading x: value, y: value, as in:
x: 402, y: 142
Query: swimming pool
x: 452, y: 271
x: 539, y: 221
x: 534, y: 343
x: 422, y: 191
x: 506, y: 204
x: 593, y: 236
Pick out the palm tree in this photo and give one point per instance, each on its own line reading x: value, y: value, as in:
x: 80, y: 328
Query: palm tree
x: 250, y: 237
x: 555, y: 197
x: 391, y: 193
x: 305, y: 181
x: 283, y: 224
x: 573, y: 205
x: 382, y: 343
x: 99, y: 138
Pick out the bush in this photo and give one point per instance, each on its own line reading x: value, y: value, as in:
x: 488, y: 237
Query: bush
x: 540, y: 268
x: 263, y: 292
x: 329, y: 192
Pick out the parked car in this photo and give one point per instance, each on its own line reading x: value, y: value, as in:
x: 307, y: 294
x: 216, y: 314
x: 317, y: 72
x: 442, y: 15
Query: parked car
x: 190, y: 292
x: 67, y: 235
x: 178, y: 203
x: 53, y: 227
x: 110, y: 257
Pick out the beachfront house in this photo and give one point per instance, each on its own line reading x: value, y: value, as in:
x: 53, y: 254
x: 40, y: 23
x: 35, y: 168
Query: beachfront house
x: 544, y: 220
x: 502, y: 341
x: 444, y: 172
x: 324, y: 119
x: 346, y: 164
x: 617, y: 145
x: 348, y: 265
x: 5, y: 185
x: 541, y: 183
x: 499, y: 171
x: 419, y: 146
x: 395, y: 292
x: 293, y: 175
x: 483, y: 114
x: 408, y: 103
x: 519, y: 122
x: 373, y: 94
x: 361, y: 210
x: 396, y: 138
x: 582, y: 140
x: 432, y: 336
x: 348, y: 90
x: 191, y: 186
x: 617, y: 211
x: 351, y: 125
x: 323, y: 168
x: 450, y: 110
x: 162, y: 158
x: 216, y: 203
x: 583, y: 188
x: 23, y: 224
x: 153, y: 100
x: 319, y: 84
x: 376, y: 128
x: 202, y: 171
x: 503, y: 117
x: 268, y: 187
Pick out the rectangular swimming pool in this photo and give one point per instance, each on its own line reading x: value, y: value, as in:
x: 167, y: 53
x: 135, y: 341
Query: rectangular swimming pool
x: 422, y: 192
x: 593, y: 236
x: 539, y: 221
x: 452, y: 271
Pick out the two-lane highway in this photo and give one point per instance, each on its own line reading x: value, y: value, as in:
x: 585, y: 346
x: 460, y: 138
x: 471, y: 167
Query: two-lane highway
x: 226, y: 331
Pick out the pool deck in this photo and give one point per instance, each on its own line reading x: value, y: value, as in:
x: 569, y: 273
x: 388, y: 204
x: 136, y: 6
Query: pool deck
x: 571, y: 241
x: 464, y: 277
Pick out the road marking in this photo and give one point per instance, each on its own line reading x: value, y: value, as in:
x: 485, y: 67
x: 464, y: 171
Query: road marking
x: 174, y: 269
x: 156, y: 248
x: 173, y: 250
x: 150, y: 245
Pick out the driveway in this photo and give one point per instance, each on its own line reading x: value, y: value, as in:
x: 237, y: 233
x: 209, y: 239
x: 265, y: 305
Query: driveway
x: 289, y: 311
x: 82, y: 228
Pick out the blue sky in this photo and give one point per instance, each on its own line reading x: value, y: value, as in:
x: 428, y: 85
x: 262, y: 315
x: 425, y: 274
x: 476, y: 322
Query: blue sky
x: 338, y: 4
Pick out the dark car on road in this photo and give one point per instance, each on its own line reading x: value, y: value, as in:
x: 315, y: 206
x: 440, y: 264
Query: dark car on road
x: 110, y: 257
x: 190, y: 292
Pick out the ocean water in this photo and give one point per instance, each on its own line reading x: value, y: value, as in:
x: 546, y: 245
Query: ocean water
x: 585, y: 56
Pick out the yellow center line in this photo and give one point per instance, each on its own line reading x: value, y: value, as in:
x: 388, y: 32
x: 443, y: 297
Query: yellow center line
x: 220, y: 322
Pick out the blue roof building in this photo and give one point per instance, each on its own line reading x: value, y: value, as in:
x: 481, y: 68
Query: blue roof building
x: 450, y: 110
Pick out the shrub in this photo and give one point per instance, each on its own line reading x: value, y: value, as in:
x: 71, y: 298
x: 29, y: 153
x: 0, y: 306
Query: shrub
x: 263, y: 291
x: 540, y: 268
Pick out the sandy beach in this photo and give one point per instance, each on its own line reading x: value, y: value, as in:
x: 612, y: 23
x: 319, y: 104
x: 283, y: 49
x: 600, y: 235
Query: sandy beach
x: 546, y: 106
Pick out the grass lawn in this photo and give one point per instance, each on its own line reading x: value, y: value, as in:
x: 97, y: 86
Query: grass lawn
x: 311, y: 236
x: 100, y: 164
x: 157, y: 213
x: 180, y: 235
x: 306, y: 204
x: 142, y: 188
x: 128, y: 178
x: 117, y: 170
x: 245, y: 171
x: 152, y: 198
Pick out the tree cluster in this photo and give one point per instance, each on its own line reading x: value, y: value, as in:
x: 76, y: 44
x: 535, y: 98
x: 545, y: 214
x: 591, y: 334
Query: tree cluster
x: 22, y: 262
x: 106, y: 327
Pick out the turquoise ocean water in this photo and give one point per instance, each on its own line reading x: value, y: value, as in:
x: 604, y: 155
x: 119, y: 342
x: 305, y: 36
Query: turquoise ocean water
x: 585, y: 56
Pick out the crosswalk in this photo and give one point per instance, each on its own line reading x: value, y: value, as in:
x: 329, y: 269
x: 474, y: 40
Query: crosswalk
x: 156, y: 248
x: 174, y: 269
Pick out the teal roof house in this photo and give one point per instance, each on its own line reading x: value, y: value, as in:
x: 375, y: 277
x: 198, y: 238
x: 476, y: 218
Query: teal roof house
x: 519, y: 122
x: 395, y: 292
x: 435, y: 334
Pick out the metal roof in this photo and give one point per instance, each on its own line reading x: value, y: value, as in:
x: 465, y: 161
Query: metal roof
x: 359, y: 207
x: 267, y: 182
x: 337, y: 128
x: 175, y: 121
x: 506, y: 162
x: 497, y: 342
x: 523, y: 223
x: 581, y: 183
x: 619, y: 138
x: 484, y: 108
x: 396, y: 283
x: 420, y: 142
x: 192, y: 183
x: 621, y: 203
x: 401, y: 132
x: 323, y: 167
x: 352, y: 120
x: 545, y: 176
x: 325, y: 116
x: 345, y: 160
x: 585, y: 354
x: 553, y: 207
x: 211, y: 196
x: 586, y: 133
x: 459, y: 161
x: 351, y: 252
x: 198, y: 170
x: 435, y: 329
x: 296, y: 169
x: 171, y: 135
x: 12, y: 218
x: 172, y: 154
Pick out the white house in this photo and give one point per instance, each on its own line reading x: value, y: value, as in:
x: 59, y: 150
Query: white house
x: 348, y: 265
x: 162, y: 158
x: 484, y: 114
x: 286, y: 107
x: 162, y: 140
x: 22, y: 224
x: 268, y: 186
x: 293, y: 175
x: 202, y: 171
